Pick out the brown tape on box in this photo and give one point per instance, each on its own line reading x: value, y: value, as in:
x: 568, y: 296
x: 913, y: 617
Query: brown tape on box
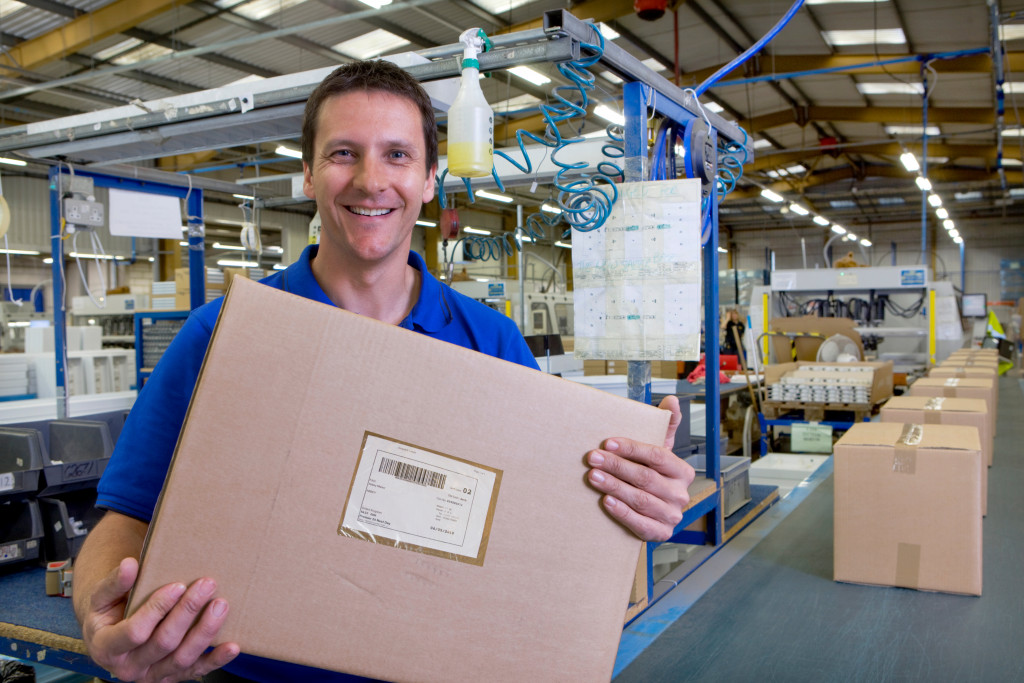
x: 904, y: 459
x: 908, y: 565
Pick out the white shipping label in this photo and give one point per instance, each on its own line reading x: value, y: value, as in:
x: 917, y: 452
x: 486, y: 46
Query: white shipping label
x: 412, y: 497
x: 10, y: 552
x: 6, y: 481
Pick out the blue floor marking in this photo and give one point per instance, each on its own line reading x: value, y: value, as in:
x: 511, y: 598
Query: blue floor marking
x: 656, y: 620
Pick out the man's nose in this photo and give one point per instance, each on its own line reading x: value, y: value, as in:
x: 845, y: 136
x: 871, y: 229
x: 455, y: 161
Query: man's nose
x: 371, y: 175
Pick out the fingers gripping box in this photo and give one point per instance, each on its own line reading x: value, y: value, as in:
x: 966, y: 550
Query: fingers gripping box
x: 358, y: 490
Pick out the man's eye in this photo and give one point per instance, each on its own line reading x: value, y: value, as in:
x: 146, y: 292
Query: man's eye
x: 341, y: 153
x: 397, y: 154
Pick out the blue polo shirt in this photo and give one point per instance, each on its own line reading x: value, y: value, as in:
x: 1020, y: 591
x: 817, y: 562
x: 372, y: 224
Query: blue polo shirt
x: 142, y: 456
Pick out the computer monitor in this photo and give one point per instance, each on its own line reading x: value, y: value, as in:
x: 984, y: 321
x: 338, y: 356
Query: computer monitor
x: 975, y: 305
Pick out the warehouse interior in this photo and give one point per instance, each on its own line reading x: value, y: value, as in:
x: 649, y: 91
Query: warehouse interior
x: 854, y: 174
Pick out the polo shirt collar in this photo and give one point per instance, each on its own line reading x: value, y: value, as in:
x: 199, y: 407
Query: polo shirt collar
x: 430, y: 313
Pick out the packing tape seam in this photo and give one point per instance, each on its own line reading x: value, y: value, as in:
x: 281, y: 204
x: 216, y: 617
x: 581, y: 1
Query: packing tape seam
x: 908, y: 565
x: 904, y: 459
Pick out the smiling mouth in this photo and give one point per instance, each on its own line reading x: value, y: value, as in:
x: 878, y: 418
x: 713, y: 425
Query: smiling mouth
x: 360, y: 211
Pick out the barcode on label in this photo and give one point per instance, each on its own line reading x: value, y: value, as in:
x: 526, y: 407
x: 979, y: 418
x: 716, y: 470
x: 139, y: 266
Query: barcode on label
x: 411, y: 473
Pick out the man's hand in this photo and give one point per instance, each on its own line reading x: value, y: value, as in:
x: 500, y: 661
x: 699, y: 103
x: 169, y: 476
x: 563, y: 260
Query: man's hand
x: 644, y: 485
x: 165, y: 640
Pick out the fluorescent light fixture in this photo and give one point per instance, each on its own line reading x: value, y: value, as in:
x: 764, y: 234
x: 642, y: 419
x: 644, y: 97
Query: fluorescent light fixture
x: 563, y: 245
x: 935, y: 200
x: 49, y: 260
x: 972, y: 196
x: 941, y: 213
x: 891, y: 201
x: 607, y: 31
x: 843, y: 204
x: 821, y: 220
x: 865, y: 36
x: 426, y: 223
x: 923, y: 183
x: 1007, y: 161
x: 948, y: 224
x: 611, y: 78
x: 799, y: 210
x: 23, y: 323
x: 1017, y: 191
x: 609, y: 114
x: 714, y: 106
x: 958, y: 240
x: 231, y: 247
x: 288, y: 152
x: 723, y: 250
x: 850, y: 236
x: 375, y: 4
x: 274, y: 249
x: 371, y: 44
x: 237, y: 264
x: 530, y: 75
x: 150, y: 259
x: 476, y: 231
x: 183, y: 244
x: 280, y: 266
x: 596, y: 134
x: 838, y: 229
x: 1011, y: 31
x: 244, y: 196
x: 654, y: 65
x: 837, y: 2
x: 1012, y: 132
x: 954, y: 233
x: 20, y: 252
x: 516, y: 103
x: 914, y: 130
x: 761, y: 143
x: 482, y: 279
x: 910, y: 162
x: 892, y: 88
x: 12, y: 162
x: 789, y: 170
x: 524, y: 238
x: 495, y: 197
x: 866, y: 242
x: 78, y: 254
x: 771, y: 196
x: 550, y: 208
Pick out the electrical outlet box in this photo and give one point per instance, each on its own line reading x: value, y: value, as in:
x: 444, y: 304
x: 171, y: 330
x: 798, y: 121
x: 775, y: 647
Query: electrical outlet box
x: 83, y: 212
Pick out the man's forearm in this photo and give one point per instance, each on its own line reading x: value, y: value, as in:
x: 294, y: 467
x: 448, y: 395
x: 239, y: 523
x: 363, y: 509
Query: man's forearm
x: 115, y: 537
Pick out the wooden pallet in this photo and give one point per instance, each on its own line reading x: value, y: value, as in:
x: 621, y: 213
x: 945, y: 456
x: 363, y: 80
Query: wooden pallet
x: 816, y: 412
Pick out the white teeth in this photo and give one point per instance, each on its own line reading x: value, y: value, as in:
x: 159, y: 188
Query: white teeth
x: 368, y: 212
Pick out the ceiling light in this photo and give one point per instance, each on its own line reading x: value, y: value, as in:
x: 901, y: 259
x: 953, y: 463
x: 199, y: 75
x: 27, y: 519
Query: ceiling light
x: 609, y: 76
x: 274, y: 249
x: 799, y: 210
x: 771, y: 196
x: 528, y: 74
x: 426, y: 223
x: 910, y: 162
x: 550, y: 208
x: 609, y: 114
x: 941, y: 213
x: 821, y: 220
x: 958, y: 240
x: 970, y: 196
x: 866, y: 242
x: 714, y: 107
x: 954, y: 233
x: 654, y: 65
x: 77, y: 254
x: 278, y: 266
x: 288, y: 152
x: 50, y: 260
x: 1011, y: 31
x: 21, y: 252
x: 923, y: 183
x: 948, y: 224
x: 237, y: 264
x: 12, y: 162
x: 850, y: 236
x: 761, y: 143
x: 524, y: 238
x: 496, y: 197
x: 231, y: 247
x: 838, y: 229
x: 371, y: 44
x: 183, y: 244
x: 865, y: 36
x: 243, y: 196
x: 890, y: 88
x: 375, y: 4
x: 935, y: 200
x: 914, y: 130
x: 563, y: 245
x: 482, y: 279
x: 723, y: 250
x: 476, y: 231
x: 607, y: 31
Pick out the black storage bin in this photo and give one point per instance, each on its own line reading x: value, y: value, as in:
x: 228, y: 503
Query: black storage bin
x: 67, y: 519
x: 21, y: 531
x: 78, y: 454
x: 21, y: 461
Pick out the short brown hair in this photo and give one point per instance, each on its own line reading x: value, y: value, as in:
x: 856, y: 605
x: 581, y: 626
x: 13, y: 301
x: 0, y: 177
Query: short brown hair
x: 369, y: 76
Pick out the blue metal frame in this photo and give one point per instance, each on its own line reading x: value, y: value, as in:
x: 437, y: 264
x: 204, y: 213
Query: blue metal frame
x: 140, y: 375
x: 196, y: 262
x: 636, y: 98
x: 765, y: 423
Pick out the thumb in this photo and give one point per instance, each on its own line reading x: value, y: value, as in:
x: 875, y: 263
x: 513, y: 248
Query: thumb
x: 113, y: 589
x: 671, y: 403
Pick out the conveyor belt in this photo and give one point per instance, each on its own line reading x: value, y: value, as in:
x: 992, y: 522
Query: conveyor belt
x: 778, y: 616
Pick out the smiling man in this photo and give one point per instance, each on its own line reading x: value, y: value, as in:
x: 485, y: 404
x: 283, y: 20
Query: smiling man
x: 369, y: 145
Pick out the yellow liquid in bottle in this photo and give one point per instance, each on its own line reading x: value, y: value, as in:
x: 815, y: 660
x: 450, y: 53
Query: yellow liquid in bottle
x: 469, y: 159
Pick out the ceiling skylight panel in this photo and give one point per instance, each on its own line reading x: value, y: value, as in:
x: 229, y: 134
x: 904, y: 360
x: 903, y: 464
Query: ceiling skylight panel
x: 371, y: 44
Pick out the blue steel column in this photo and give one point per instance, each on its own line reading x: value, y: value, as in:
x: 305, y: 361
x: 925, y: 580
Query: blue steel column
x: 963, y: 271
x: 924, y: 166
x: 712, y: 402
x: 60, y: 342
x: 196, y: 262
x: 638, y: 373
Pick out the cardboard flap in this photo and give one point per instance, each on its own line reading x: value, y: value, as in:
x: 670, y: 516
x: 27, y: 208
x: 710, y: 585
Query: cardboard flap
x: 965, y: 405
x: 267, y: 459
x: 964, y: 382
x: 888, y: 434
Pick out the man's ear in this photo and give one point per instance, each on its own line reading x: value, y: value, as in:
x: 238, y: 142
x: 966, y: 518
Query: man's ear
x: 429, y: 186
x: 307, y: 182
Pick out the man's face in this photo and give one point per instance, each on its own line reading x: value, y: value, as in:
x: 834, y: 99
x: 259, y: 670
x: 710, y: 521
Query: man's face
x: 368, y: 175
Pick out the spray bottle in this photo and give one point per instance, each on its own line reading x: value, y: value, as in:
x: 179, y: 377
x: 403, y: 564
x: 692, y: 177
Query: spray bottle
x: 470, y: 119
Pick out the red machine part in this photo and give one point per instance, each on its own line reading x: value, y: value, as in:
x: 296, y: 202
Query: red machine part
x: 449, y: 223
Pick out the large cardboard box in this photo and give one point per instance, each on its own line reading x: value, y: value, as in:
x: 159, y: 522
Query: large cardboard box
x: 359, y: 490
x: 965, y: 412
x: 961, y: 387
x: 802, y: 342
x: 982, y: 372
x: 881, y: 379
x: 908, y: 507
